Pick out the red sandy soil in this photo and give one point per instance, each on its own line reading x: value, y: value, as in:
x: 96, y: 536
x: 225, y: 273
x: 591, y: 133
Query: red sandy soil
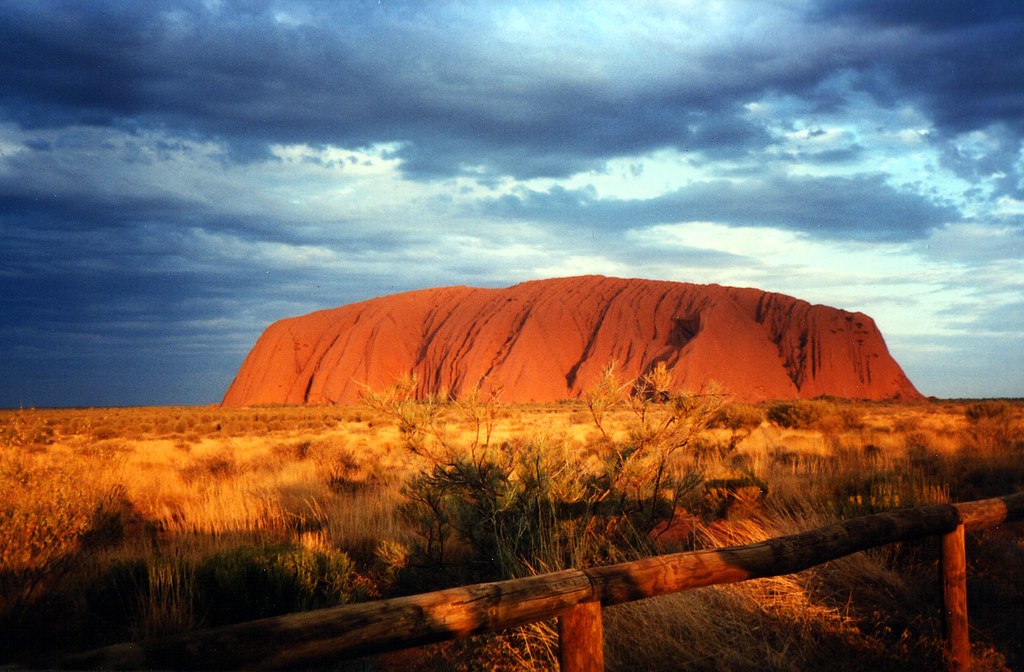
x: 547, y: 340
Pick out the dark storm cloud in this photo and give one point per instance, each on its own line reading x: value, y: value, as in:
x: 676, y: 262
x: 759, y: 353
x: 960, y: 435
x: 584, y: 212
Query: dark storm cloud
x: 99, y: 334
x: 352, y: 79
x: 838, y: 208
x: 108, y: 303
x: 146, y: 315
x: 962, y: 59
x: 939, y: 14
x: 360, y: 75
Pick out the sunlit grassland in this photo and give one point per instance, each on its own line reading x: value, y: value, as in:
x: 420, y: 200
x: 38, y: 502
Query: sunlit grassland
x: 120, y: 524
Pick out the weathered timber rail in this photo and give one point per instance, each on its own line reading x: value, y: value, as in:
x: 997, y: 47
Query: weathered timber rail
x: 574, y: 596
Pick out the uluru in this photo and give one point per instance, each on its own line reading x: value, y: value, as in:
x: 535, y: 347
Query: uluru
x: 548, y: 340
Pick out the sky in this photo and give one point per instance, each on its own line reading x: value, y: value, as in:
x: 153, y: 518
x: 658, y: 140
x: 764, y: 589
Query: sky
x: 175, y: 176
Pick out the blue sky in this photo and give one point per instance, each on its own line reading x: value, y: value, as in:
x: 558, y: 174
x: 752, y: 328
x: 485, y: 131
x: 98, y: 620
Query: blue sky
x: 174, y: 176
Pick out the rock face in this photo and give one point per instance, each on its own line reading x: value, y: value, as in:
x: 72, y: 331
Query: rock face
x: 549, y: 339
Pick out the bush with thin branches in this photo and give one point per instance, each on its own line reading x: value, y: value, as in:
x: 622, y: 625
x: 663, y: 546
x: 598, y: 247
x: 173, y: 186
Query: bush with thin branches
x: 507, y: 508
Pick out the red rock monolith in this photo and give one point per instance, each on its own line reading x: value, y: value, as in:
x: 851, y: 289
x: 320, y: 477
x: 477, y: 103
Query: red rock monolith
x: 547, y: 340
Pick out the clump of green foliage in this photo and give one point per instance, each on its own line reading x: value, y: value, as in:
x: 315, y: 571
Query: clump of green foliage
x: 497, y: 510
x: 824, y: 414
x: 740, y: 420
x: 992, y: 427
x: 142, y: 598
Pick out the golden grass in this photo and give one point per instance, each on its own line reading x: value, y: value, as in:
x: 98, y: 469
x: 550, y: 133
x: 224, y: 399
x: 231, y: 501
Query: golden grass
x: 88, y: 492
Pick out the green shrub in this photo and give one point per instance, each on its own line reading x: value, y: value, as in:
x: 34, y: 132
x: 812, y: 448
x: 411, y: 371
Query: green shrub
x: 725, y: 497
x: 793, y: 414
x: 823, y: 414
x: 22, y: 430
x: 163, y: 595
x: 497, y: 511
x: 114, y: 598
x: 857, y: 494
x: 740, y: 420
x: 247, y: 583
x: 992, y: 427
x: 738, y: 417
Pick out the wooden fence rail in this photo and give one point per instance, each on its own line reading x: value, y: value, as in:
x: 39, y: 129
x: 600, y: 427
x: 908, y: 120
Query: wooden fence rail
x: 574, y: 596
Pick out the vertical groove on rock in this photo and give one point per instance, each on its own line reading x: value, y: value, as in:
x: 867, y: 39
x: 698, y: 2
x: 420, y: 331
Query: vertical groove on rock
x: 570, y: 377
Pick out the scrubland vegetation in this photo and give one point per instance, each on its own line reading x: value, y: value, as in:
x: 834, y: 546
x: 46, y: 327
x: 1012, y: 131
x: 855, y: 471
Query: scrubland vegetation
x: 121, y: 524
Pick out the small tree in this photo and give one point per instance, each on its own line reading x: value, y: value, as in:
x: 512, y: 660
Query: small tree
x: 500, y: 510
x: 423, y: 422
x: 466, y: 492
x: 640, y: 474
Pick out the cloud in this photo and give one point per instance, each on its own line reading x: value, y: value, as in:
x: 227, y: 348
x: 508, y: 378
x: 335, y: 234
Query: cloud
x: 961, y: 59
x: 461, y: 91
x: 533, y: 91
x: 860, y: 207
x: 993, y: 154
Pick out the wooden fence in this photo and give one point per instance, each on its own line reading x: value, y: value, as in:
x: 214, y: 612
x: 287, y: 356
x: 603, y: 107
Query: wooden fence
x: 575, y: 597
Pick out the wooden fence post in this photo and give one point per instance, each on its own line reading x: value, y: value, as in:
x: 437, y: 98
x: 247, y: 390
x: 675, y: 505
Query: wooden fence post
x: 954, y: 595
x: 580, y: 639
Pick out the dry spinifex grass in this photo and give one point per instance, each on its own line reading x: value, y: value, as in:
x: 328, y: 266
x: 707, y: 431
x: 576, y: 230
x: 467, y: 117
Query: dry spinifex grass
x: 99, y: 503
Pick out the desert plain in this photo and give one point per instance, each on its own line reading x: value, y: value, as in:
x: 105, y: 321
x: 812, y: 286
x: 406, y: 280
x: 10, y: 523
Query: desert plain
x: 123, y: 524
